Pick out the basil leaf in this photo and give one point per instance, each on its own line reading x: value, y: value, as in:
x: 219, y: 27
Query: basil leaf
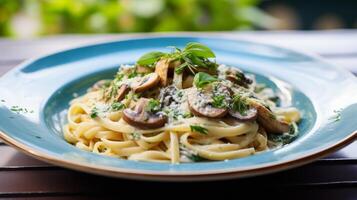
x: 150, y: 58
x: 201, y: 79
x: 199, y: 50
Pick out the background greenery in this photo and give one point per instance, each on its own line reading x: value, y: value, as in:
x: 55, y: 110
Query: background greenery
x: 43, y: 17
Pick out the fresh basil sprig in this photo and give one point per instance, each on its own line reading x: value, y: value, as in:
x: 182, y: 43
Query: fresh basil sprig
x: 192, y: 56
x: 150, y: 58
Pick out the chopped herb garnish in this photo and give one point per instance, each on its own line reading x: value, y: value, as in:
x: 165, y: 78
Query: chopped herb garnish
x: 219, y: 101
x: 153, y: 106
x: 94, y: 112
x: 337, y: 116
x: 187, y: 115
x: 117, y: 106
x: 240, y: 104
x: 199, y: 129
x: 135, y: 136
x: 119, y: 76
x: 201, y: 79
x: 195, y: 158
x: 19, y: 110
x: 285, y: 138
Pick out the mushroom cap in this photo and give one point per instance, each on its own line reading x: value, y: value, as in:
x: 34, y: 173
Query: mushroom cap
x: 237, y: 76
x: 148, y: 81
x: 198, y: 103
x: 122, y: 91
x: 268, y: 120
x: 142, y: 119
x: 250, y: 115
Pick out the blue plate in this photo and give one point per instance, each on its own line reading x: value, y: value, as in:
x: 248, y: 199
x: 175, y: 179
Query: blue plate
x: 35, y: 95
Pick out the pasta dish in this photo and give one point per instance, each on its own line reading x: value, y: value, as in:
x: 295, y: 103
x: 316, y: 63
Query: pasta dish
x: 180, y: 106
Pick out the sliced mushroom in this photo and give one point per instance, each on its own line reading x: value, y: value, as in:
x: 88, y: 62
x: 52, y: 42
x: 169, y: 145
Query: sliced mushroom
x: 146, y: 82
x: 249, y: 115
x: 268, y: 120
x: 237, y: 76
x: 122, y: 91
x: 161, y: 69
x: 199, y: 104
x: 142, y: 119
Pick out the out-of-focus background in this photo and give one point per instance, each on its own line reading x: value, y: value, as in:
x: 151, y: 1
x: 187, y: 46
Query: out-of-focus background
x: 32, y: 18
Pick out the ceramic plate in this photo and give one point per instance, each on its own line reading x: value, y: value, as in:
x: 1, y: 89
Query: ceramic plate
x: 35, y: 95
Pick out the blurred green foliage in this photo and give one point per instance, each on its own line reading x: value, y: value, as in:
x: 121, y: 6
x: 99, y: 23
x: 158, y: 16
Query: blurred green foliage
x: 111, y: 16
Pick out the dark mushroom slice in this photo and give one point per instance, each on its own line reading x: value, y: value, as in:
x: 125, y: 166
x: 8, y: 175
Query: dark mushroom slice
x: 122, y: 91
x: 248, y: 115
x: 142, y: 119
x: 238, y: 77
x: 268, y: 120
x: 147, y: 82
x: 199, y: 104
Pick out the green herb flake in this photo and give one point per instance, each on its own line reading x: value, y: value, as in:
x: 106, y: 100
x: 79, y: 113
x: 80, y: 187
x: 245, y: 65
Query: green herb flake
x: 135, y: 136
x: 201, y: 79
x: 239, y: 104
x: 219, y: 101
x: 153, y: 106
x: 337, y: 116
x: 116, y: 106
x: 94, y: 113
x: 199, y: 129
x: 187, y: 115
x: 285, y: 138
x: 18, y: 110
x: 195, y: 158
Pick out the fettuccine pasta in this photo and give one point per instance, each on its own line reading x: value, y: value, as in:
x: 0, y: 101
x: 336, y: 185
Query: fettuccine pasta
x: 179, y: 107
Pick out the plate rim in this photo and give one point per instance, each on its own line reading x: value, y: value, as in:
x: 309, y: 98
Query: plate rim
x: 193, y: 176
x: 178, y: 176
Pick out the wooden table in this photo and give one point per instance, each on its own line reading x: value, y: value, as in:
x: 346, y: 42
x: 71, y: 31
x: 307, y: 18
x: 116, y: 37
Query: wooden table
x: 23, y: 177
